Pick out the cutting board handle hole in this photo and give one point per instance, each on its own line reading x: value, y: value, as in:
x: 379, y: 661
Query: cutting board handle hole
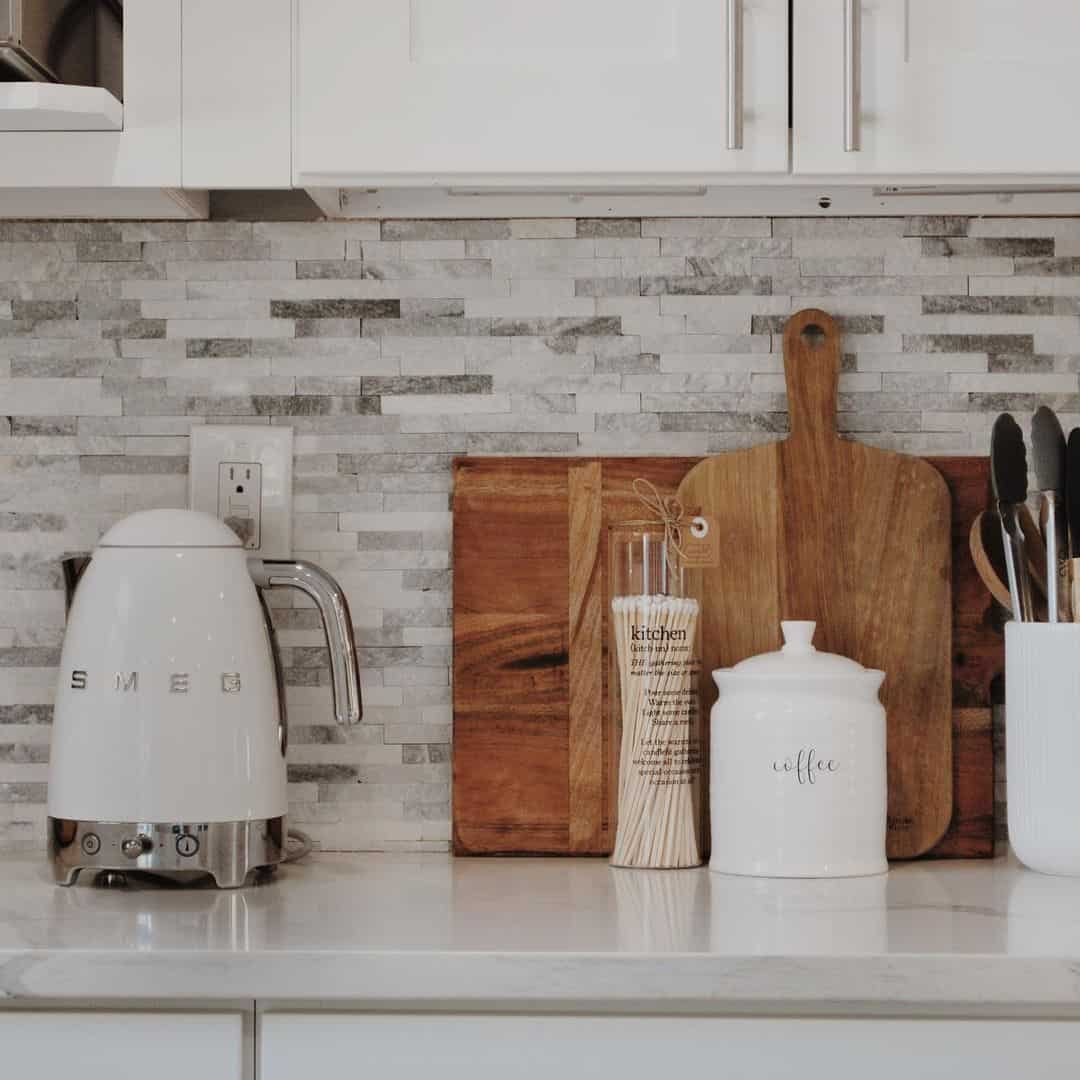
x: 813, y: 336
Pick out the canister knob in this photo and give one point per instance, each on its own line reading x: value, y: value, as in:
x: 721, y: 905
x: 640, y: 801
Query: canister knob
x: 134, y: 846
x: 798, y: 637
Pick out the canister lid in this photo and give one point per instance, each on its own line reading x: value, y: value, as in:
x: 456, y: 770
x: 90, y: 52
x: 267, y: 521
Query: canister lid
x: 798, y: 657
x: 170, y: 529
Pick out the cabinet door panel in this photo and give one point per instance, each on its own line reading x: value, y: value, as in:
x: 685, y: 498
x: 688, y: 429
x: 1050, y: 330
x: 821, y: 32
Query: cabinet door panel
x: 237, y: 65
x: 964, y: 87
x: 104, y: 1046
x: 643, y: 1048
x: 413, y: 91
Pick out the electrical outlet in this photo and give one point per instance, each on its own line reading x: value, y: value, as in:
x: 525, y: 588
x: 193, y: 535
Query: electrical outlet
x: 243, y: 476
x: 240, y: 500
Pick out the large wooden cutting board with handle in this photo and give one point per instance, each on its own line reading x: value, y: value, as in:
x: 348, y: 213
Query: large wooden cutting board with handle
x: 855, y: 538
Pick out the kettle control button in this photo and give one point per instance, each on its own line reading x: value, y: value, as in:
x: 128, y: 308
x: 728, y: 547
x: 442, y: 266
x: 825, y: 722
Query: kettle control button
x: 134, y: 846
x: 91, y: 843
x: 187, y: 845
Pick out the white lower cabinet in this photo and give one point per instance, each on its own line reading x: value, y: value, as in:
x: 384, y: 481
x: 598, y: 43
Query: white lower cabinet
x: 413, y: 1047
x: 59, y: 1045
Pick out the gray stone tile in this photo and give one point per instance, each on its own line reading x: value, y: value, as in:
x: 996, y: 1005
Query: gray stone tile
x: 936, y: 226
x: 464, y: 229
x: 26, y: 714
x: 33, y: 310
x: 59, y: 368
x: 307, y: 269
x: 217, y: 347
x: 428, y: 384
x: 108, y: 251
x: 969, y: 343
x: 1067, y: 266
x: 999, y: 362
x: 36, y: 426
x: 607, y: 286
x: 702, y: 285
x: 978, y: 247
x: 132, y: 464
x: 849, y: 324
x: 723, y: 421
x: 557, y: 328
x: 335, y: 309
x: 605, y: 227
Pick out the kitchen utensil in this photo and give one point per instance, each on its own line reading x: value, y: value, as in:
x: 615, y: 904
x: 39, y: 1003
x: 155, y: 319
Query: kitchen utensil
x: 534, y: 750
x: 1048, y: 452
x: 1008, y: 470
x: 1072, y: 490
x: 798, y: 764
x: 1034, y: 549
x: 988, y: 554
x: 855, y: 538
x: 1042, y: 721
x: 1072, y: 511
x: 169, y: 732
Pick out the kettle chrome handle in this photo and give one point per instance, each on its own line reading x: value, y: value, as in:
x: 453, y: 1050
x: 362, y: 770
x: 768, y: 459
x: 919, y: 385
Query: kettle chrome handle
x: 334, y: 609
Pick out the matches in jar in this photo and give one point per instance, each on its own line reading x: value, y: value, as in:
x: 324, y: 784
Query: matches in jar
x: 655, y: 672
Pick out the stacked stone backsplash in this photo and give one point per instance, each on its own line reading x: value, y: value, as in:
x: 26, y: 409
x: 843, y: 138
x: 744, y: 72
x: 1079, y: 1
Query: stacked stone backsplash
x: 392, y: 346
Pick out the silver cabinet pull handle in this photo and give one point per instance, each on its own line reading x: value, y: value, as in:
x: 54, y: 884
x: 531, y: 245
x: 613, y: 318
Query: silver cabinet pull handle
x: 735, y: 74
x: 852, y: 80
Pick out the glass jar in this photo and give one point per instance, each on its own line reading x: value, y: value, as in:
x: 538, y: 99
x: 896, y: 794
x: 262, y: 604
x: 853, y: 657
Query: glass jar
x: 656, y: 703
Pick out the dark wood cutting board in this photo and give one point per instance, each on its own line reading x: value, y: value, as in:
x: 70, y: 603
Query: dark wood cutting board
x: 533, y: 767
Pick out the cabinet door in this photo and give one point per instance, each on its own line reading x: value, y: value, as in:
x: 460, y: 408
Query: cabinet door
x: 237, y: 68
x: 106, y: 1046
x: 428, y: 91
x: 962, y: 87
x: 294, y: 1047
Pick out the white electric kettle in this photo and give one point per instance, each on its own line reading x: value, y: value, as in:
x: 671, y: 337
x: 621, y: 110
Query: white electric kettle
x: 169, y: 732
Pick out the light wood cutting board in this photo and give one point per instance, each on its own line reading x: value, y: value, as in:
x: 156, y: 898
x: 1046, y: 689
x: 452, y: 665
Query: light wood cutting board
x: 856, y: 538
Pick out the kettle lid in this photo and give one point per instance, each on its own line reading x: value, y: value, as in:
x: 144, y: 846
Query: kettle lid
x: 170, y: 529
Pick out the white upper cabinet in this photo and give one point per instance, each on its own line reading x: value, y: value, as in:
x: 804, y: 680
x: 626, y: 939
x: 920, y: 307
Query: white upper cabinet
x: 535, y: 92
x: 237, y: 98
x: 936, y: 87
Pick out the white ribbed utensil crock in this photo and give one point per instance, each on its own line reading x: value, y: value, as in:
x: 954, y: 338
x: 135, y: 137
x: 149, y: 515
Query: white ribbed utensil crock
x: 1042, y: 744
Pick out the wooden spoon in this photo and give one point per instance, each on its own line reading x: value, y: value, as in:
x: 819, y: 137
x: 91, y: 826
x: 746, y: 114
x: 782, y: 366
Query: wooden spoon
x: 988, y: 554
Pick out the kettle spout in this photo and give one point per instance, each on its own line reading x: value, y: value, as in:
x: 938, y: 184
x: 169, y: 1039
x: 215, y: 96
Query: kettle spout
x: 73, y: 569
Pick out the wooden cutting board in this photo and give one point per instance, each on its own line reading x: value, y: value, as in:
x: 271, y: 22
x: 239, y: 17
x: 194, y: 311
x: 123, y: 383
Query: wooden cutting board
x: 516, y: 730
x: 857, y: 539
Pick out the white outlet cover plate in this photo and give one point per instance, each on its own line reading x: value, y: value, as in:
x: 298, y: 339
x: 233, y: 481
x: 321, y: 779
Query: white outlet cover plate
x: 270, y: 447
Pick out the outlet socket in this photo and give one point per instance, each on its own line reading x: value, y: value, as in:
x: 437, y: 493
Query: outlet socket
x: 243, y: 476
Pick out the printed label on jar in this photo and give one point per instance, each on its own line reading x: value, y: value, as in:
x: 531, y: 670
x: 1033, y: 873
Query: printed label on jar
x: 806, y: 765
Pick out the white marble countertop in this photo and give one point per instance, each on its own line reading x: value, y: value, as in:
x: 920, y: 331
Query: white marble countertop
x: 428, y: 931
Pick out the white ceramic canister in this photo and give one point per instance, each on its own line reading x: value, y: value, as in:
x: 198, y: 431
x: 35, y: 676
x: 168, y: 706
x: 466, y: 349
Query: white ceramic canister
x: 1042, y: 742
x: 798, y: 775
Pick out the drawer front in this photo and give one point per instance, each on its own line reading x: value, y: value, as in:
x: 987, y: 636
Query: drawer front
x: 59, y: 1045
x: 295, y: 1047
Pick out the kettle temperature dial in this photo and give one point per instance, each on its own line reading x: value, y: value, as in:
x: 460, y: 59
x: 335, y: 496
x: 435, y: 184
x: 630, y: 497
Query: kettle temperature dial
x: 134, y: 846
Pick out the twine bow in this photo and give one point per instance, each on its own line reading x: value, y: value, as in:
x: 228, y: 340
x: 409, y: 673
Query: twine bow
x: 668, y: 511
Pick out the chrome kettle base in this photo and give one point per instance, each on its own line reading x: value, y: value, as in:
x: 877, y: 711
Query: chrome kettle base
x: 232, y: 852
